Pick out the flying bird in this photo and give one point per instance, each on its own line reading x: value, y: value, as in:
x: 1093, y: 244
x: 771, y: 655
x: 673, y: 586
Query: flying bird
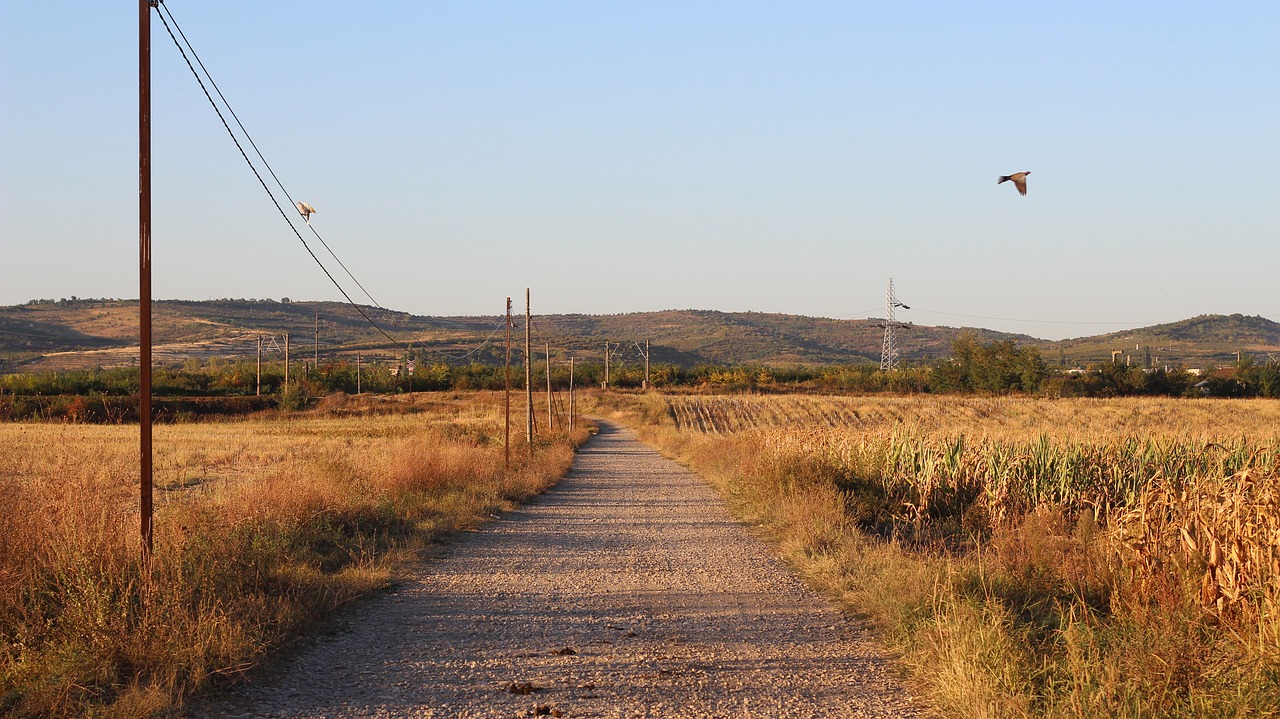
x: 306, y: 209
x: 1019, y: 181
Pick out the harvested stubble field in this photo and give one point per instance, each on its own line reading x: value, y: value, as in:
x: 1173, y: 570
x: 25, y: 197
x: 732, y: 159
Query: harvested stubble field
x: 262, y: 527
x: 1047, y: 558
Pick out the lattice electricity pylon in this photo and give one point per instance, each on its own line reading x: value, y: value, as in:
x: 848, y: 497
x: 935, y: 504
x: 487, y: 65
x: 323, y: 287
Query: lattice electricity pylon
x: 888, y: 352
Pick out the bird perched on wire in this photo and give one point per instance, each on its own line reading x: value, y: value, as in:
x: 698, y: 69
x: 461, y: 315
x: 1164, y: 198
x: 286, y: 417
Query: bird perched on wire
x: 306, y: 209
x: 1019, y: 181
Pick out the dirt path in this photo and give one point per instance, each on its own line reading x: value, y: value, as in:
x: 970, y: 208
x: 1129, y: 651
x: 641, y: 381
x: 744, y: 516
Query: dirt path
x: 627, y: 591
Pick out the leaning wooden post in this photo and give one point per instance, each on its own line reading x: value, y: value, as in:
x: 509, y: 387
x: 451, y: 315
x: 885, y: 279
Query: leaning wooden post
x: 528, y: 373
x: 646, y: 365
x: 506, y: 391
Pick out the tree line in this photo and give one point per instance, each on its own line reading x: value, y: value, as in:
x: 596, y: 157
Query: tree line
x: 999, y: 367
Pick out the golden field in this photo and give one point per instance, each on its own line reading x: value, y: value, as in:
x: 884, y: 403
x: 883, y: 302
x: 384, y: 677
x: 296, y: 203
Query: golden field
x: 1028, y: 557
x: 262, y: 527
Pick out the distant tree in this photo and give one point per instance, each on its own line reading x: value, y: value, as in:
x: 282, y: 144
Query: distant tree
x: 1267, y: 379
x: 1000, y: 366
x: 1261, y: 380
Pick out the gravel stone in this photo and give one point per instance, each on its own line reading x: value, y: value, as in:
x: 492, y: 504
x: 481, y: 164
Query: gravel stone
x: 668, y: 606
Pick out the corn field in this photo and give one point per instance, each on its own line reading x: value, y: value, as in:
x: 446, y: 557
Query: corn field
x: 979, y: 416
x: 1189, y: 484
x: 941, y: 475
x: 1228, y: 529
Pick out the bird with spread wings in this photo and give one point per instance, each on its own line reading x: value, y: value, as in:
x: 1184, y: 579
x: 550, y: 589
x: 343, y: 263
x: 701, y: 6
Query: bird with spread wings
x: 1019, y: 181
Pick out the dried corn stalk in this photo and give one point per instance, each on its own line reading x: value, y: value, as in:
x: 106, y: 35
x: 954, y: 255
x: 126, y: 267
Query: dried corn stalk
x: 1228, y: 529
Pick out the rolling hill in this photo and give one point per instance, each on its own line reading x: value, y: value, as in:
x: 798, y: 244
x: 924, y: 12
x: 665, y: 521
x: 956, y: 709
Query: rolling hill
x: 1198, y: 341
x: 87, y: 333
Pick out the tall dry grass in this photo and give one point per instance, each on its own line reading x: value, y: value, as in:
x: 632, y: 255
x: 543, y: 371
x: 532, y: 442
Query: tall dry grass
x: 1047, y: 558
x: 262, y: 527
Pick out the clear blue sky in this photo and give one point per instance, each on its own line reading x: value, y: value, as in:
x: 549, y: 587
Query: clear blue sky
x: 617, y: 157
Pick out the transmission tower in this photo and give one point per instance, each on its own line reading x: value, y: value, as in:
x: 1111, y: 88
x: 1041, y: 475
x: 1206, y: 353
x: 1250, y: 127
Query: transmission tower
x: 888, y: 353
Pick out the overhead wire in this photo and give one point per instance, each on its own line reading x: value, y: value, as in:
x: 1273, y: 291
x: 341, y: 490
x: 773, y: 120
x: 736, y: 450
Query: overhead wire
x: 166, y: 11
x: 263, y: 182
x: 170, y: 18
x: 1015, y: 319
x: 501, y: 324
x: 859, y: 313
x: 915, y: 308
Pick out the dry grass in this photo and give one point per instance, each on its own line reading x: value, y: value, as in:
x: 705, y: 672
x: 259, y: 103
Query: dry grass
x: 262, y: 527
x: 1055, y: 558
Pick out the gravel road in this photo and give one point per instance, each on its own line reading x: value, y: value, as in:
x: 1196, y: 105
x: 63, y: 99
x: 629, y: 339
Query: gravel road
x: 627, y: 591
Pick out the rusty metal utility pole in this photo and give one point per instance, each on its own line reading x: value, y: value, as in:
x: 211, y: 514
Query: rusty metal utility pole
x: 259, y: 385
x: 507, y: 389
x: 573, y: 406
x: 358, y: 358
x: 550, y: 417
x: 317, y: 354
x: 144, y: 271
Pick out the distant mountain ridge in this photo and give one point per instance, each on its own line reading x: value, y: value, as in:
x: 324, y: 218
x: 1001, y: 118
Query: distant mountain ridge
x: 86, y: 333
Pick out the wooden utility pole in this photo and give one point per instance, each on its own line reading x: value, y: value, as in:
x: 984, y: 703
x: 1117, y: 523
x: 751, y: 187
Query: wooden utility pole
x: 550, y: 417
x: 144, y: 273
x: 528, y: 373
x: 259, y: 392
x: 606, y: 365
x: 506, y: 383
x: 286, y: 360
x: 573, y: 407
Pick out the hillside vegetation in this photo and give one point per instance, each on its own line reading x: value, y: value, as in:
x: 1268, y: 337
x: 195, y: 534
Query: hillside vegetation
x: 82, y: 334
x: 1206, y: 336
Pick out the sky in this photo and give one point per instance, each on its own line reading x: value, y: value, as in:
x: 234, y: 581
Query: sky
x: 622, y: 157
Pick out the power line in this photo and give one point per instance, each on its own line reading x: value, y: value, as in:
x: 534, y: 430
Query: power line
x: 501, y: 323
x: 1014, y: 319
x: 164, y: 9
x: 859, y: 313
x: 283, y: 189
x: 263, y: 182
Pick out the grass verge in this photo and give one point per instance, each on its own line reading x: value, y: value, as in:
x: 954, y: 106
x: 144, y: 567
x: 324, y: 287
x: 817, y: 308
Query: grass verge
x: 1157, y: 596
x: 262, y: 527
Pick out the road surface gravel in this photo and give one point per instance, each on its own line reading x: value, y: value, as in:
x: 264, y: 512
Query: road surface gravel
x: 626, y: 591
